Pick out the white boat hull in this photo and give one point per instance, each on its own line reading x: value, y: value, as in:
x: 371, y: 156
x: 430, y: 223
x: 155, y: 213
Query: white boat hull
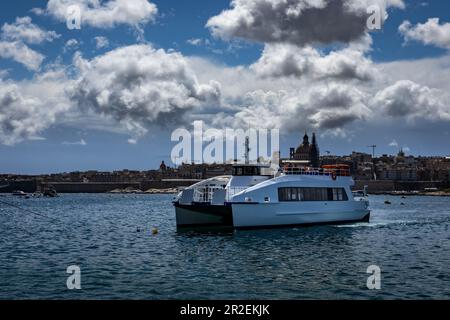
x: 254, y: 215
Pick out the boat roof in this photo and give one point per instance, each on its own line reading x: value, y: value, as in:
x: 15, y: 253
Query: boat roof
x: 295, y: 161
x: 261, y: 165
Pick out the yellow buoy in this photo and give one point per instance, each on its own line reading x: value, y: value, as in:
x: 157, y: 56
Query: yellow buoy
x: 154, y: 231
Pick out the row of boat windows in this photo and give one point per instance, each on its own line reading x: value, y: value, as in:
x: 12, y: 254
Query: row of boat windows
x: 246, y: 171
x: 312, y: 194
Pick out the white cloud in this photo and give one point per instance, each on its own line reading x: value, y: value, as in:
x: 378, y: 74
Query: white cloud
x: 409, y: 100
x: 432, y: 72
x: 279, y: 60
x: 82, y: 142
x: 393, y: 143
x: 101, y: 42
x: 106, y: 14
x: 429, y: 33
x: 321, y: 107
x: 299, y: 22
x: 38, y: 11
x: 24, y: 30
x: 195, y: 42
x: 29, y: 107
x: 140, y: 87
x: 16, y: 120
x: 3, y: 74
x: 71, y: 44
x: 21, y: 53
x: 13, y: 38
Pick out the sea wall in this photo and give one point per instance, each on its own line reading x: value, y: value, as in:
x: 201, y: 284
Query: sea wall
x: 91, y: 187
x: 30, y: 186
x: 101, y: 187
x: 167, y: 184
x: 23, y: 185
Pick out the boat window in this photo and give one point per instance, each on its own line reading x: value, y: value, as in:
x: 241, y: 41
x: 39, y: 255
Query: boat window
x: 312, y: 194
x: 237, y: 171
x: 246, y: 171
x: 339, y: 194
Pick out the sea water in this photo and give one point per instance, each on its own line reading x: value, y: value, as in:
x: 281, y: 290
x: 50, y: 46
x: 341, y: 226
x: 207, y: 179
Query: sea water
x: 112, y: 240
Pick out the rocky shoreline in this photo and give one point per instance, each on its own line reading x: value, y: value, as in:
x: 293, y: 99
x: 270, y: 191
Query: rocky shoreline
x: 149, y: 191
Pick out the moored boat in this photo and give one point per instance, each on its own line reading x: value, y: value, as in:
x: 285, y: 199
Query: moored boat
x: 19, y: 193
x: 252, y: 197
x: 49, y: 191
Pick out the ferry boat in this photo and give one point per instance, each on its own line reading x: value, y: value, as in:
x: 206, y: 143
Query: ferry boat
x: 255, y: 197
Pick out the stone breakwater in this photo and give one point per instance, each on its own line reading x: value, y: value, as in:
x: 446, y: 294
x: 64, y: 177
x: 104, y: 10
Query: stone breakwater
x: 149, y: 191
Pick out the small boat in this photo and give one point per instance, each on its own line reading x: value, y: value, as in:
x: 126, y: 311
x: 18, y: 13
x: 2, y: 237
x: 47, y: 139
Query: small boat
x: 50, y: 191
x: 387, y: 202
x: 19, y: 193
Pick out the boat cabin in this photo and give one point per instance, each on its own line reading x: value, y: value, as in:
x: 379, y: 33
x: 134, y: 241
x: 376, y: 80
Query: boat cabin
x: 249, y: 170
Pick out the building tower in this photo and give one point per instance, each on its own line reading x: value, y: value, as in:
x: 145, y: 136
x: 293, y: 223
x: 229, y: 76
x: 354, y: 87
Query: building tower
x: 314, y: 152
x: 306, y: 140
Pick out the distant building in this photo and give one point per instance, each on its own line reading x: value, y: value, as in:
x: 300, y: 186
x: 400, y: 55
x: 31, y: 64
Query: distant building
x: 306, y: 151
x: 398, y: 168
x: 361, y: 157
x: 162, y: 166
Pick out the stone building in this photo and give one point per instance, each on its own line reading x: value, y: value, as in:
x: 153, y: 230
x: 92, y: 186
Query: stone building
x: 306, y: 151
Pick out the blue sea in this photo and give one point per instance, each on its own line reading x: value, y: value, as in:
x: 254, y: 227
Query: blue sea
x: 109, y: 237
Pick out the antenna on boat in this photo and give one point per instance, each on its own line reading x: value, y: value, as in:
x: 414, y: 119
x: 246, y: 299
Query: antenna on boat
x: 373, y: 149
x: 247, y: 150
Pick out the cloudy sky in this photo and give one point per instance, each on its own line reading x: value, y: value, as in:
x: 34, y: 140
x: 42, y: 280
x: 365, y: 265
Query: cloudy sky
x: 108, y: 95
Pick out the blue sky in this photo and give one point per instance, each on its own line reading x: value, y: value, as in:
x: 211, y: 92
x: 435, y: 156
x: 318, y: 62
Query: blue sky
x: 61, y: 145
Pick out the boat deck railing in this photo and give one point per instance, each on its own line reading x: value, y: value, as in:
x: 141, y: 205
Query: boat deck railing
x: 338, y: 172
x: 233, y: 191
x: 205, y: 194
